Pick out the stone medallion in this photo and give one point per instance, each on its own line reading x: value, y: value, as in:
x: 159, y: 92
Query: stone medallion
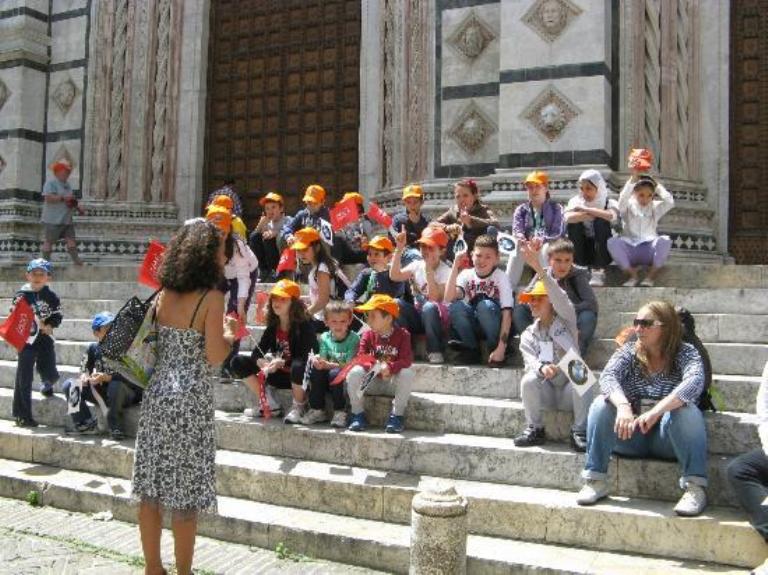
x: 65, y: 94
x: 472, y: 128
x: 471, y: 37
x: 550, y: 113
x: 5, y: 93
x: 549, y: 18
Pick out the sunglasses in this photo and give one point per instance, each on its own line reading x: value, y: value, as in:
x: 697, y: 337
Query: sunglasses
x: 646, y: 323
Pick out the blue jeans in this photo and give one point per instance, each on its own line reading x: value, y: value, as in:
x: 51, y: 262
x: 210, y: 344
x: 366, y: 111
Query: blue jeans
x: 42, y: 354
x: 432, y: 326
x: 748, y: 475
x: 409, y: 317
x: 679, y: 434
x: 586, y: 323
x: 467, y: 320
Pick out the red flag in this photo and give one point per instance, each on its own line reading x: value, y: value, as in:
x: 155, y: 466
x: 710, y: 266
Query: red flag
x: 262, y: 298
x: 287, y: 261
x: 378, y: 215
x: 18, y: 325
x: 266, y: 412
x: 151, y: 265
x: 242, y: 330
x: 367, y: 361
x: 344, y: 213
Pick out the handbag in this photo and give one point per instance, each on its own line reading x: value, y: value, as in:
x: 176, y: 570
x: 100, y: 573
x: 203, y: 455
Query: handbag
x: 125, y: 327
x: 137, y: 364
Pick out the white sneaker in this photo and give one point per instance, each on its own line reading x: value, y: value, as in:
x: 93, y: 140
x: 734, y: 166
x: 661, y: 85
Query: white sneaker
x: 597, y: 279
x: 435, y: 357
x: 339, y: 419
x: 647, y: 282
x: 631, y: 282
x: 296, y: 413
x: 252, y: 412
x: 693, y: 501
x: 314, y: 416
x: 592, y: 492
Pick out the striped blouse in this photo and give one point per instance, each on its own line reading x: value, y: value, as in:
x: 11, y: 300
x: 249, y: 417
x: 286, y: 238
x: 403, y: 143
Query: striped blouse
x: 685, y: 378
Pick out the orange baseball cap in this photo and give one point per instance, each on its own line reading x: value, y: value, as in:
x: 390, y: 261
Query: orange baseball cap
x: 305, y: 237
x: 61, y: 165
x: 435, y: 237
x: 353, y: 196
x: 220, y: 217
x: 538, y: 289
x: 271, y: 197
x: 537, y: 177
x: 223, y: 201
x: 413, y: 191
x: 383, y: 302
x: 382, y: 243
x: 314, y: 193
x: 286, y: 288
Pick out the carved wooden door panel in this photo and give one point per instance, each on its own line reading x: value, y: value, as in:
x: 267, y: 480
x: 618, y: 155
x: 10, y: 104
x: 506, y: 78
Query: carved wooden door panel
x: 748, y: 221
x: 283, y: 97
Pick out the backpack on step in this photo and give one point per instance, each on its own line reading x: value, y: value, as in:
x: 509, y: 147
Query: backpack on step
x: 706, y: 400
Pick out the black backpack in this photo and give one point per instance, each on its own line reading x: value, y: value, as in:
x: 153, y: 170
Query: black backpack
x: 689, y: 336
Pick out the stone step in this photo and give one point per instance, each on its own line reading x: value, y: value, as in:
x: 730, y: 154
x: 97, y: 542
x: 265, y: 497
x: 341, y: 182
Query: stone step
x: 728, y: 433
x: 87, y: 290
x: 83, y: 309
x: 697, y: 299
x: 714, y: 328
x: 738, y: 392
x: 530, y: 514
x: 364, y: 542
x: 470, y: 457
x: 68, y: 272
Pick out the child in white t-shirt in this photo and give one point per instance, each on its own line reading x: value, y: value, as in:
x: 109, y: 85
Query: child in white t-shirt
x: 428, y: 277
x: 481, y: 299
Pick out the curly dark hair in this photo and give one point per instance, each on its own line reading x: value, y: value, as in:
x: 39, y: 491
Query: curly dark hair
x: 191, y: 259
x: 297, y: 314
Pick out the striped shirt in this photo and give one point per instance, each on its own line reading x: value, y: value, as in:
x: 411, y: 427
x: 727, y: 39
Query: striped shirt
x: 685, y: 379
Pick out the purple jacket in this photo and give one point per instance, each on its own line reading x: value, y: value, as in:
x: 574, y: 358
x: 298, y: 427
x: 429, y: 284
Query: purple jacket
x: 522, y: 224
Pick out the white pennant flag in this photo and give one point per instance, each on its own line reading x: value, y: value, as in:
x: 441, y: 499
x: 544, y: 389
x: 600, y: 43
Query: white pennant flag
x: 326, y: 231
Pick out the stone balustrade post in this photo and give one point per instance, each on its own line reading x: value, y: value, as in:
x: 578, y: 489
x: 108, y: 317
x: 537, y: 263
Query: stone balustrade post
x: 439, y: 532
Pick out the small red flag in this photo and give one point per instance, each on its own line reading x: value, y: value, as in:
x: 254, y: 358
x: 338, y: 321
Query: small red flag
x: 367, y: 361
x: 378, y: 215
x: 18, y: 325
x: 262, y: 298
x: 242, y: 330
x: 151, y: 265
x: 287, y: 261
x: 344, y: 213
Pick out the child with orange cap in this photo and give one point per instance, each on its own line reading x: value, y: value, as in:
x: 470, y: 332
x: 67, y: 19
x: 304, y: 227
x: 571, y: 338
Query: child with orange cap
x: 264, y: 238
x: 392, y: 374
x: 59, y: 204
x: 309, y: 216
x: 428, y: 277
x: 282, y: 352
x: 226, y: 202
x: 354, y: 237
x: 412, y: 220
x: 543, y: 344
x: 375, y: 279
x: 538, y: 221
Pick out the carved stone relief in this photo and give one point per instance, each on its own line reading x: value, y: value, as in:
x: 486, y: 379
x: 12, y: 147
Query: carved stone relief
x: 5, y: 93
x: 471, y: 37
x: 65, y: 95
x: 472, y: 129
x: 549, y: 18
x: 550, y: 113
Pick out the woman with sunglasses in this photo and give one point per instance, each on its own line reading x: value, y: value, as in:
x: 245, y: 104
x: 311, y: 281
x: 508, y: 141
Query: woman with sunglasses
x: 648, y: 408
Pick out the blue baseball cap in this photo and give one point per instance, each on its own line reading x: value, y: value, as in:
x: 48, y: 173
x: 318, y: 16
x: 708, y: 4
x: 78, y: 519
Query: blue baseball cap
x: 40, y: 264
x: 101, y: 319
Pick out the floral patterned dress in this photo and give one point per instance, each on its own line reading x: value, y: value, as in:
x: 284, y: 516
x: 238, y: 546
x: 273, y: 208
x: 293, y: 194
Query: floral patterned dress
x: 174, y: 464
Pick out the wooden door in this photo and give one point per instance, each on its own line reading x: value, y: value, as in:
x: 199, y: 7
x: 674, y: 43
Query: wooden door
x: 283, y: 98
x: 748, y: 220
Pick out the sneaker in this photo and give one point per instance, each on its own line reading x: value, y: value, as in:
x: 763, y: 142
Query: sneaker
x: 592, y: 492
x: 394, y: 424
x: 296, y: 413
x: 314, y: 416
x: 47, y: 390
x: 255, y: 413
x: 359, y: 422
x: 597, y: 279
x: 117, y: 434
x: 26, y: 422
x: 631, y: 282
x: 339, y: 419
x: 647, y: 282
x: 693, y: 501
x: 579, y: 441
x: 87, y: 426
x: 435, y: 357
x: 531, y: 436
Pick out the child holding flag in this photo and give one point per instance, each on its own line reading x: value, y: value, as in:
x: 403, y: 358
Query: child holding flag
x: 39, y: 349
x: 356, y: 230
x: 412, y: 220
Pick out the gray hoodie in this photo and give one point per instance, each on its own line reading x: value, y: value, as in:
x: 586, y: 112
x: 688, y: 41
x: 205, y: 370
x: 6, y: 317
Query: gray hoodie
x: 576, y: 285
